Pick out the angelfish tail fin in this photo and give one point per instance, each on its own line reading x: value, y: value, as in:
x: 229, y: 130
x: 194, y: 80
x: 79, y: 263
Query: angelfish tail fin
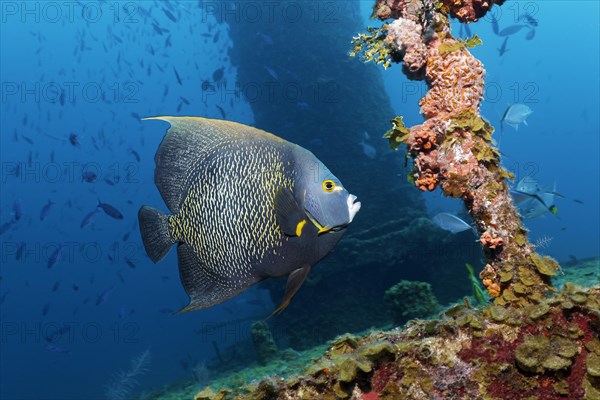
x: 156, y: 232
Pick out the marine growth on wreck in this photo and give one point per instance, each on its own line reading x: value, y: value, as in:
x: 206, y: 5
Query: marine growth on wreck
x: 453, y: 149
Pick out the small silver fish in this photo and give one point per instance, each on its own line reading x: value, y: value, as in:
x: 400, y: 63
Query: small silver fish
x: 272, y: 72
x: 265, y: 38
x: 452, y: 223
x: 516, y: 114
x: 367, y: 149
x: 532, y: 200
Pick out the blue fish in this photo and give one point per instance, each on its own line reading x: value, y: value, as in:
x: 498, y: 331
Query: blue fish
x: 6, y: 226
x: 104, y: 295
x: 20, y: 250
x: 110, y: 210
x: 503, y: 49
x: 55, y: 256
x: 265, y: 38
x: 89, y: 218
x: 17, y: 210
x: 46, y: 210
x: 57, y: 349
x: 57, y: 333
x: 89, y: 176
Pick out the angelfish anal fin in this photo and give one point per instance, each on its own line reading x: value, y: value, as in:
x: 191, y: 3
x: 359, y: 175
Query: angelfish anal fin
x: 290, y: 217
x: 295, y: 280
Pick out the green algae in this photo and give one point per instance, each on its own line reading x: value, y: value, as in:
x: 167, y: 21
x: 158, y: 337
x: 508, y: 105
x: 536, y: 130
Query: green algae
x: 593, y: 365
x: 450, y: 47
x: 372, y: 46
x: 468, y: 120
x: 398, y: 134
x: 545, y: 265
x: 540, y: 353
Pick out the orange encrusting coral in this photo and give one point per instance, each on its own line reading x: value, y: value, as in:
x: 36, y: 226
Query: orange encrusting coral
x: 491, y: 241
x: 455, y: 79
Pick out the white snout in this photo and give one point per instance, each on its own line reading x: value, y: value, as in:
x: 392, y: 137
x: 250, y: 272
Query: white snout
x: 353, y: 206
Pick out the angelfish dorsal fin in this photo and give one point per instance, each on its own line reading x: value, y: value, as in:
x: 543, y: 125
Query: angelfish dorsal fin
x: 187, y: 142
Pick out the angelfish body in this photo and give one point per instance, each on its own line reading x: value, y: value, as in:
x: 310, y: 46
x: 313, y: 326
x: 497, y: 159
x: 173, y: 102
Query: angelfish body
x: 246, y: 206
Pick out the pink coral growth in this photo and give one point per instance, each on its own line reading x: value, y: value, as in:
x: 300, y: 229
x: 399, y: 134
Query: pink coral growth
x: 455, y: 80
x: 405, y: 36
x: 464, y: 10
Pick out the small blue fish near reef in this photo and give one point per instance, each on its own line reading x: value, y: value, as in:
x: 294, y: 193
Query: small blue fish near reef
x: 532, y: 200
x: 244, y: 209
x: 516, y: 114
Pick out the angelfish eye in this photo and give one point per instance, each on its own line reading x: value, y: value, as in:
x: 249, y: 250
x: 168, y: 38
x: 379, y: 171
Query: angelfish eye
x: 328, y: 185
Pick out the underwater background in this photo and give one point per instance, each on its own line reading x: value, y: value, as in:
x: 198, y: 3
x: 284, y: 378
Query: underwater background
x: 84, y: 314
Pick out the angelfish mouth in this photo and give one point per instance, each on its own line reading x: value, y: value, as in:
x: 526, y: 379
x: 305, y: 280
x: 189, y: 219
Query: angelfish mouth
x: 353, y: 207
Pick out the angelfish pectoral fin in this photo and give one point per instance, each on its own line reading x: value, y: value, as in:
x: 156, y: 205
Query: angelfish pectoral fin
x: 295, y: 280
x: 290, y: 217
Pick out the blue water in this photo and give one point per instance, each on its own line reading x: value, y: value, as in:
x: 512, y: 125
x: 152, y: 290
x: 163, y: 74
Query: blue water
x: 90, y: 71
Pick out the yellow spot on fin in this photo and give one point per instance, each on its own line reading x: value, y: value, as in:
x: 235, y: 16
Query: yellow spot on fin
x: 299, y: 227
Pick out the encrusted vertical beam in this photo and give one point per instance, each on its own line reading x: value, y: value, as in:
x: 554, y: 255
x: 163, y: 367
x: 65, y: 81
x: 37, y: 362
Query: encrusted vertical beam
x: 453, y: 148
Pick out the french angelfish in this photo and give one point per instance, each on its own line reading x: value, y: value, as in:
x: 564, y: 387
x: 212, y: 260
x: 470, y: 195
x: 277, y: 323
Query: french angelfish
x: 246, y: 206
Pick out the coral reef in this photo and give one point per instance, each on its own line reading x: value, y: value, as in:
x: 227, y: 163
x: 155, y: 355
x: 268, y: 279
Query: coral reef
x: 262, y: 339
x: 544, y: 351
x: 453, y: 149
x: 365, y: 264
x: 468, y: 10
x: 409, y: 299
x: 466, y: 353
x: 464, y: 10
x: 405, y: 37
